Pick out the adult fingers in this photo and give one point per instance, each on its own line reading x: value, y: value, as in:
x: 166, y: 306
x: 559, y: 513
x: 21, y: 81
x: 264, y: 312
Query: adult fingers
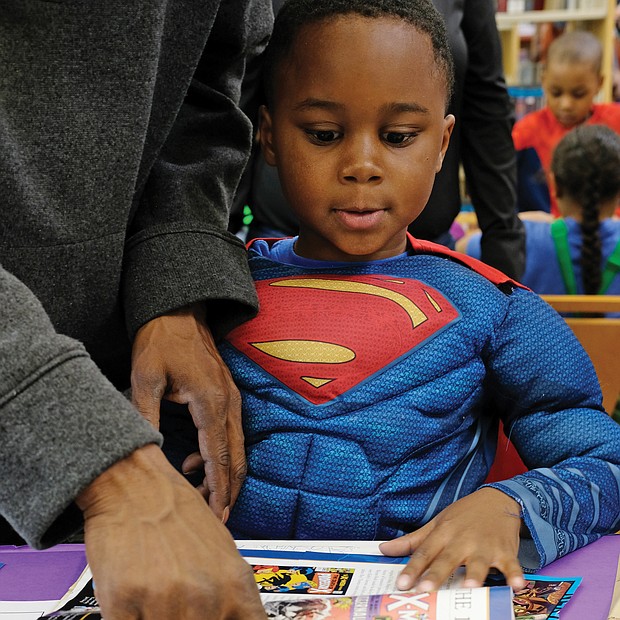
x: 210, y: 413
x: 236, y: 443
x: 148, y: 376
x: 148, y: 386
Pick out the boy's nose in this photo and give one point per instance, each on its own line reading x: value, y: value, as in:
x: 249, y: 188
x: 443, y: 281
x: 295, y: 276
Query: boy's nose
x: 361, y: 163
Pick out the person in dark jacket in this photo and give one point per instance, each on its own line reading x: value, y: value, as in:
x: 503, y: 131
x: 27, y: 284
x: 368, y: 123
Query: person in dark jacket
x: 121, y: 145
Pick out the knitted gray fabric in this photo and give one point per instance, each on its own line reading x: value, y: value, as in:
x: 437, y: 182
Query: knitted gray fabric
x: 121, y: 144
x: 61, y: 422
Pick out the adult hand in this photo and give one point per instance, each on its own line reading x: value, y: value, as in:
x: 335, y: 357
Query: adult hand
x: 480, y: 531
x: 156, y: 550
x: 174, y: 356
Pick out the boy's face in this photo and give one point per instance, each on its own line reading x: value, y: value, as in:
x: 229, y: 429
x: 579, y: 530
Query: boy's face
x: 358, y: 133
x: 570, y: 89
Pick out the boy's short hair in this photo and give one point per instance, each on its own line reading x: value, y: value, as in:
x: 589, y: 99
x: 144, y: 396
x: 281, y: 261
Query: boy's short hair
x: 295, y: 14
x: 575, y: 47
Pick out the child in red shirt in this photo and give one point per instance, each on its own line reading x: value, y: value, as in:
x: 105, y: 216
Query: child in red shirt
x: 571, y: 80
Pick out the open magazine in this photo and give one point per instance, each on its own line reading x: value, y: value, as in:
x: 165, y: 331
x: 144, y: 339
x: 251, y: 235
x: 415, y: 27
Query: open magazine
x: 302, y: 581
x: 340, y: 580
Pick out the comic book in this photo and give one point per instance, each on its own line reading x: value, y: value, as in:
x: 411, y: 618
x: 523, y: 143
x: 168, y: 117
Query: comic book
x: 543, y: 598
x: 335, y: 580
x: 319, y: 580
x: 461, y: 604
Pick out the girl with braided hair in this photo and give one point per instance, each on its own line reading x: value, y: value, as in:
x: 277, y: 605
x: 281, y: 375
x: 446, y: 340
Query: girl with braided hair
x: 586, y: 172
x: 578, y: 253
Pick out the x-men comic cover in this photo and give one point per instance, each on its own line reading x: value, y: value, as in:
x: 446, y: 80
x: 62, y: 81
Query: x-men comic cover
x: 460, y: 604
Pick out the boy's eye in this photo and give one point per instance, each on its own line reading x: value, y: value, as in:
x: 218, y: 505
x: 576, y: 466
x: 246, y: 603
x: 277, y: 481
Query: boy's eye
x: 323, y: 136
x: 397, y: 138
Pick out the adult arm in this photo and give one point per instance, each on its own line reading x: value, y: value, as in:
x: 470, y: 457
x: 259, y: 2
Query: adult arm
x: 185, y: 273
x: 487, y: 150
x: 157, y: 551
x: 178, y: 249
x: 155, y: 548
x: 61, y: 422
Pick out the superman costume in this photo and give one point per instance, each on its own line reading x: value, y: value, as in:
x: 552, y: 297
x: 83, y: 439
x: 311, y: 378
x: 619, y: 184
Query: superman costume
x: 535, y: 137
x: 372, y: 394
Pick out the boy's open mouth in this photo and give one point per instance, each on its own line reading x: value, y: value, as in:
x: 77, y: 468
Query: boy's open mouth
x: 360, y: 219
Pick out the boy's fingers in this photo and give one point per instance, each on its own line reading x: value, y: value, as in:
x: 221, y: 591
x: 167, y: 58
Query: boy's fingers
x: 404, y: 545
x: 421, y: 559
x: 476, y: 572
x: 513, y: 573
x: 434, y: 571
x: 397, y: 547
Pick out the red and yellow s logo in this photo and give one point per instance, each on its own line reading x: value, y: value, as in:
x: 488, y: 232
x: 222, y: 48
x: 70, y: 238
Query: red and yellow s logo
x: 322, y: 335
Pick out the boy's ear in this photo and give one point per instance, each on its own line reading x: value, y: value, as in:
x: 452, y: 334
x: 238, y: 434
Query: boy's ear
x: 448, y: 126
x: 600, y: 81
x: 265, y: 135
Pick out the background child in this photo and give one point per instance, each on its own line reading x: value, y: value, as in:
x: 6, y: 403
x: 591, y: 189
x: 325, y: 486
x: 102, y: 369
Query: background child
x: 579, y: 252
x: 376, y: 371
x: 571, y: 80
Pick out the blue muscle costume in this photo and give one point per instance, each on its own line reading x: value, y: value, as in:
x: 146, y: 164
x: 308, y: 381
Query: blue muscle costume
x: 372, y: 394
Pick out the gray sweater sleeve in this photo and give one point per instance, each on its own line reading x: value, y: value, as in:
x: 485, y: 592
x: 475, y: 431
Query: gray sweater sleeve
x: 61, y: 422
x: 179, y: 248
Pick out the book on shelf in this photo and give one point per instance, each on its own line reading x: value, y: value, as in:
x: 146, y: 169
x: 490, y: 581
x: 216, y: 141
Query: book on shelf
x: 520, y: 6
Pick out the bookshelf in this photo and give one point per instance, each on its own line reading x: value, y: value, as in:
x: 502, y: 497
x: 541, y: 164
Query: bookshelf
x: 516, y: 24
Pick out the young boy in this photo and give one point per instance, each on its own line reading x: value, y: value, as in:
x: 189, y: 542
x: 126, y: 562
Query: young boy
x: 571, y: 80
x: 376, y: 372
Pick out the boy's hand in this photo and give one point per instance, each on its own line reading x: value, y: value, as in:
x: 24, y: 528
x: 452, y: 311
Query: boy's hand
x: 480, y: 531
x: 174, y: 356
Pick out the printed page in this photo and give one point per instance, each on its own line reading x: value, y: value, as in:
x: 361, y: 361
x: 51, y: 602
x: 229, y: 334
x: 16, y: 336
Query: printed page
x: 25, y: 610
x: 363, y: 547
x: 469, y: 604
x: 300, y: 576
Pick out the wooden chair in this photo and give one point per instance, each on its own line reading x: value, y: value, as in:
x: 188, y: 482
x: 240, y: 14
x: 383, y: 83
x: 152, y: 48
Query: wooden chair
x: 600, y: 337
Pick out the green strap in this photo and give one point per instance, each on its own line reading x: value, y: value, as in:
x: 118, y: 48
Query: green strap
x: 612, y: 267
x: 559, y: 232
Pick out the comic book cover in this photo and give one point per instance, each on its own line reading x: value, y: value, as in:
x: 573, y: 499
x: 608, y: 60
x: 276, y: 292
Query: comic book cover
x: 542, y: 598
x: 460, y: 604
x: 302, y: 579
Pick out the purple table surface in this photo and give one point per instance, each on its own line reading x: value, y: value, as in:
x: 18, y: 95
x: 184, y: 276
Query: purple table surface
x: 30, y: 575
x: 596, y: 564
x: 42, y: 575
